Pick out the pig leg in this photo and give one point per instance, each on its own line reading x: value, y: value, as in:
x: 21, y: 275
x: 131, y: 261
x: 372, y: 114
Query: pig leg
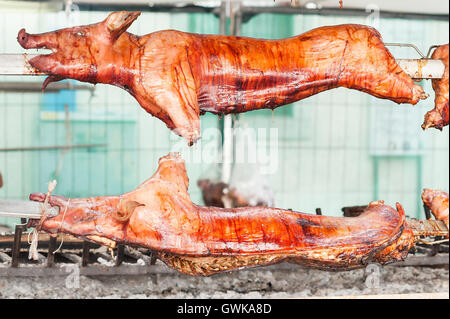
x: 439, y: 116
x: 171, y: 96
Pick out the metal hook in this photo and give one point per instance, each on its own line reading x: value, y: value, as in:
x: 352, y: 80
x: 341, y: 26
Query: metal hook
x: 407, y: 45
x: 431, y: 49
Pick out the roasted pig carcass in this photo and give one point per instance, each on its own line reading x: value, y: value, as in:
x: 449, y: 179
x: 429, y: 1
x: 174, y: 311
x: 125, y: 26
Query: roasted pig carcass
x: 437, y: 201
x: 438, y: 117
x: 178, y: 76
x: 196, y: 240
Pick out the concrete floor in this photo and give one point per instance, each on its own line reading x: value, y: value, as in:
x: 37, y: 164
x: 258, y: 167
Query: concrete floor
x: 255, y: 283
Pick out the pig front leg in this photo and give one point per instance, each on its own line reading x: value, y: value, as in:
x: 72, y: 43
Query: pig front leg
x: 167, y: 91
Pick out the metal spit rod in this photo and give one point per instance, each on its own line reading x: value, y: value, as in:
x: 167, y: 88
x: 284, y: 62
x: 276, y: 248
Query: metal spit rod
x: 33, y: 210
x: 423, y: 68
x: 25, y: 209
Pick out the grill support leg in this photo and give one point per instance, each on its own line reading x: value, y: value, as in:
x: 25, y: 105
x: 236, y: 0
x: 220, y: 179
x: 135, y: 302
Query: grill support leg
x: 85, y: 255
x: 427, y: 211
x: 51, y: 249
x: 120, y: 253
x: 152, y: 259
x: 16, y: 246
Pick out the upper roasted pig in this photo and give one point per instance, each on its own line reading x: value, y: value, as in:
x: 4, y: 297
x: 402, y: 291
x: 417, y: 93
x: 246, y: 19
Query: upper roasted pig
x: 200, y: 240
x: 438, y: 117
x: 177, y: 76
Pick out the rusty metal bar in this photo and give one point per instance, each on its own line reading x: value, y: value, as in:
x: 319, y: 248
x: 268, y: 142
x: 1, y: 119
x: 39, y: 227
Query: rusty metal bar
x: 427, y: 211
x: 36, y: 87
x: 50, y: 147
x: 436, y: 260
x: 153, y: 259
x: 51, y: 249
x: 16, y: 246
x: 85, y: 254
x: 120, y: 254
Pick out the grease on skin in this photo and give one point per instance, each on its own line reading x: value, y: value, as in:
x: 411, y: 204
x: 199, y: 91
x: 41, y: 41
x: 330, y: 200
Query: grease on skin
x: 197, y: 240
x: 178, y: 76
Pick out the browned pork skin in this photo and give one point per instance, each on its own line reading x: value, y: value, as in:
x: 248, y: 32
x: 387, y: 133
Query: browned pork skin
x: 437, y: 201
x: 178, y: 76
x: 200, y: 240
x: 438, y: 117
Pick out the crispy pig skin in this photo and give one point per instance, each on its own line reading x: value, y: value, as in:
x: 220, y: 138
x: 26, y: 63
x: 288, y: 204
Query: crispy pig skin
x: 178, y: 76
x: 197, y: 240
x: 438, y: 117
x: 437, y: 201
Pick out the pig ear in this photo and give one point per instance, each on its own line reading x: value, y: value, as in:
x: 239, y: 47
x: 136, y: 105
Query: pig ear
x: 118, y: 22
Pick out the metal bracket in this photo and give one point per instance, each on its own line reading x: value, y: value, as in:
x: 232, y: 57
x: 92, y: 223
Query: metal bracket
x: 405, y: 45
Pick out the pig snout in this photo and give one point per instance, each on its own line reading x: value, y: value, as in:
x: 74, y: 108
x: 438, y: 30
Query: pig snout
x: 22, y: 38
x: 53, y: 200
x: 35, y: 41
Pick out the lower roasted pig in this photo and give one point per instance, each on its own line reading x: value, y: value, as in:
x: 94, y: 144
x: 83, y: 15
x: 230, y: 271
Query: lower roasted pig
x: 200, y: 240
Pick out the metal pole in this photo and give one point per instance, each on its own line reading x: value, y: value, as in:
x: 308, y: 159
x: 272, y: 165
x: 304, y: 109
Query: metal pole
x: 227, y: 125
x: 16, y: 246
x: 228, y: 121
x: 85, y: 254
x: 50, y: 147
x: 51, y: 249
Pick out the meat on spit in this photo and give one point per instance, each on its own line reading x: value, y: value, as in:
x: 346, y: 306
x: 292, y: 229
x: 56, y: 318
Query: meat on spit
x: 178, y: 76
x: 197, y: 240
x: 437, y: 201
x: 438, y: 117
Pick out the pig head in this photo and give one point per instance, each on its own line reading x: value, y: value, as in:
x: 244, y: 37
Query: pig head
x: 137, y: 217
x: 90, y: 53
x: 105, y: 53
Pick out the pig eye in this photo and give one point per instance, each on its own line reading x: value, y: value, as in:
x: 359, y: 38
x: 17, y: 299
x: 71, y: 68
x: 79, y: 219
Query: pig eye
x: 80, y: 34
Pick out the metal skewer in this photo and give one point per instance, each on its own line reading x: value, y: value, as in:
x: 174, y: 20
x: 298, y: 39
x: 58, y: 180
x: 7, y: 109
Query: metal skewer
x: 17, y: 64
x: 25, y: 209
x: 33, y: 210
x: 423, y: 68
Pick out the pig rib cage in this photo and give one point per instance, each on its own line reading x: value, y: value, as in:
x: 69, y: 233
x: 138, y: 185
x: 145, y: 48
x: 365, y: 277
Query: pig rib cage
x: 94, y: 260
